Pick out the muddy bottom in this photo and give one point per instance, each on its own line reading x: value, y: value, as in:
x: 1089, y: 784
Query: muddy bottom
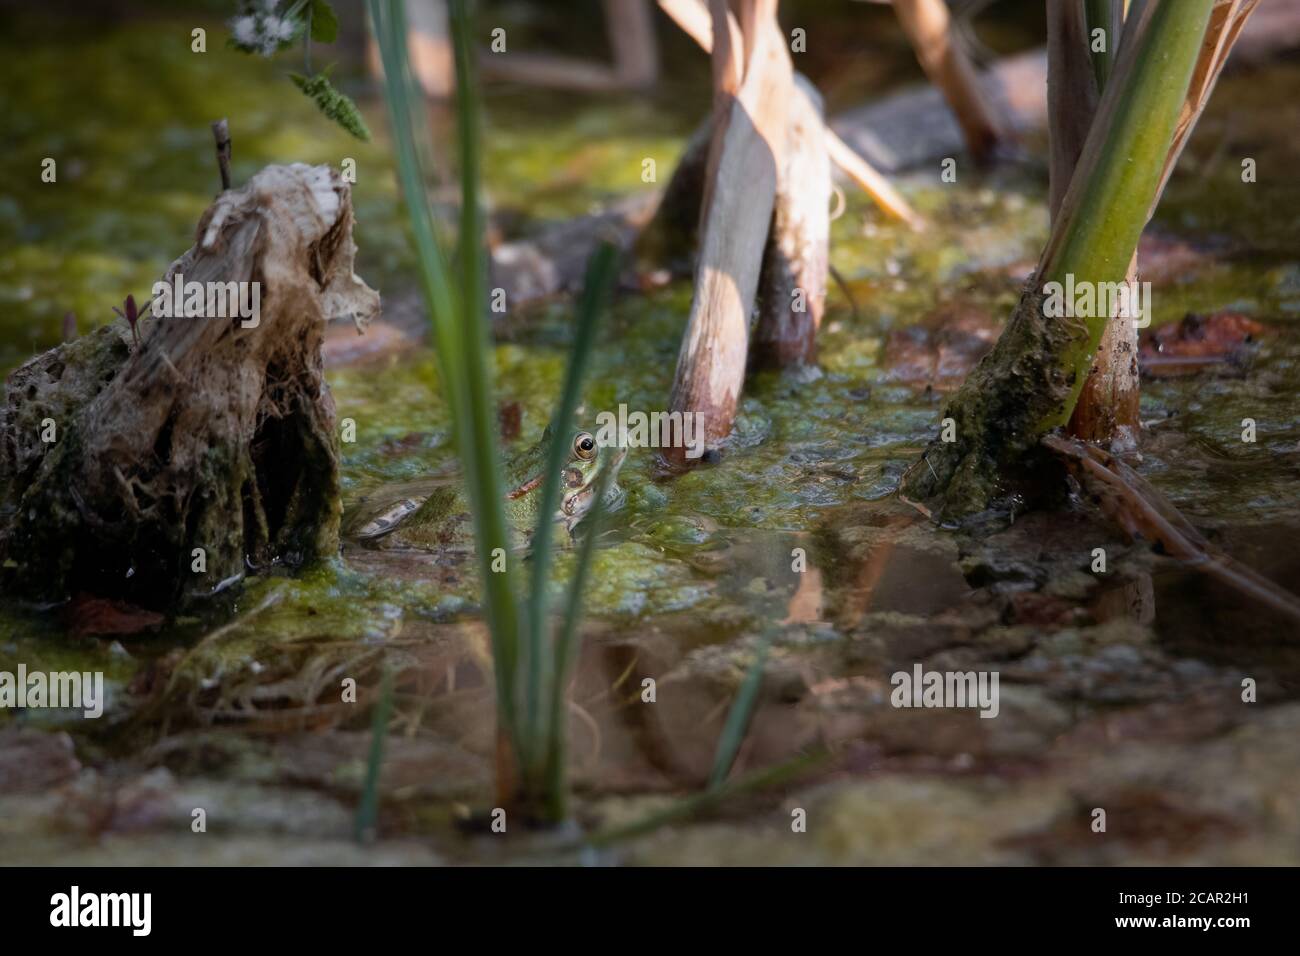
x: 1123, y: 693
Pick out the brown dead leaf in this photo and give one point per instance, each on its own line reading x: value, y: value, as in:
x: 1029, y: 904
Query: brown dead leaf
x: 1196, y: 343
x: 87, y: 615
x: 940, y: 350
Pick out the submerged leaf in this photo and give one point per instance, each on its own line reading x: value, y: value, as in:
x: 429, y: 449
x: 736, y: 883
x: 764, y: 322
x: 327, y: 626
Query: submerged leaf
x: 742, y: 709
x: 86, y: 615
x: 368, y: 808
x: 333, y: 104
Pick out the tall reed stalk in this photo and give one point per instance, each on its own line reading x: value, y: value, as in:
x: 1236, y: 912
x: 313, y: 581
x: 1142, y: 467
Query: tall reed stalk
x: 531, y: 666
x: 1120, y: 173
x: 1030, y: 383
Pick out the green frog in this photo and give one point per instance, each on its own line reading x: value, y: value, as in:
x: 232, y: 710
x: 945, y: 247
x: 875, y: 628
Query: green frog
x: 431, y: 514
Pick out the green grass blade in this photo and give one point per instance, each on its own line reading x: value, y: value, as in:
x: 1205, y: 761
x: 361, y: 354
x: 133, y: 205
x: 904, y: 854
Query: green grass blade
x: 459, y: 337
x: 602, y: 268
x: 733, y: 731
x: 368, y: 809
x: 699, y: 803
x: 389, y: 20
x: 480, y: 455
x: 565, y: 652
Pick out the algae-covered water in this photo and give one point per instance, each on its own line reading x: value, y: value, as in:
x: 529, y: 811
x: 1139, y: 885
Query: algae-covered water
x: 1121, y: 690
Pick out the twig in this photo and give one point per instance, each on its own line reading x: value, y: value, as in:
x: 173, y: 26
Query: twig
x: 1141, y: 510
x: 929, y: 28
x: 221, y: 133
x: 871, y: 181
x: 844, y: 288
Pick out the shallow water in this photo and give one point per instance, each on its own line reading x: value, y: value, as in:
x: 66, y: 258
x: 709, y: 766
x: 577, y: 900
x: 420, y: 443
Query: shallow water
x: 1109, y: 688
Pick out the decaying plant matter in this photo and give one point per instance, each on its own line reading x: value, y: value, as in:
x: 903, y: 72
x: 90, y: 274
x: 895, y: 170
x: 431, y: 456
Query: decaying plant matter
x: 162, y: 473
x: 1031, y: 382
x: 693, y: 17
x: 792, y: 285
x: 752, y: 190
x: 1144, y: 514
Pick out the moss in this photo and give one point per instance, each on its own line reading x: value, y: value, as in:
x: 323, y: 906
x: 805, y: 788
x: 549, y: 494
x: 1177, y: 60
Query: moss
x: 145, y: 479
x: 996, y: 415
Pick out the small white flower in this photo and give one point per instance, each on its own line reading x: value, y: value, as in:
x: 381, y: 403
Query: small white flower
x: 244, y: 30
x: 287, y: 29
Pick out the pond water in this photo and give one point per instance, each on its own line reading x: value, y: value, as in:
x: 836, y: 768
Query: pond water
x: 1123, y: 692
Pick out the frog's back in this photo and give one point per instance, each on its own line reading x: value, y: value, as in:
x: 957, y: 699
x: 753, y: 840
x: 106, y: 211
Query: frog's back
x: 398, y: 506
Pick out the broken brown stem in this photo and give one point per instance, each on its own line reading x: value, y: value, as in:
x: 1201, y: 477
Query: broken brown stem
x: 792, y: 289
x: 746, y: 155
x: 929, y: 28
x: 1144, y: 513
x: 221, y: 133
x: 692, y: 16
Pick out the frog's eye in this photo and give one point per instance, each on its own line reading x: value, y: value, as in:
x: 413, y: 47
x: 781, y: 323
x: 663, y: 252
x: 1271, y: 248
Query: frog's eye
x: 584, y: 446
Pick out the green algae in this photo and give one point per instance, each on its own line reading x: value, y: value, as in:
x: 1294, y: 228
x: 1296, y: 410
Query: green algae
x: 1252, y: 116
x: 547, y: 171
x: 136, y: 164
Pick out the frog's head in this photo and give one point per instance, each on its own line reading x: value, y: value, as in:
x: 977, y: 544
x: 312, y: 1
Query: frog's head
x: 585, y: 464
